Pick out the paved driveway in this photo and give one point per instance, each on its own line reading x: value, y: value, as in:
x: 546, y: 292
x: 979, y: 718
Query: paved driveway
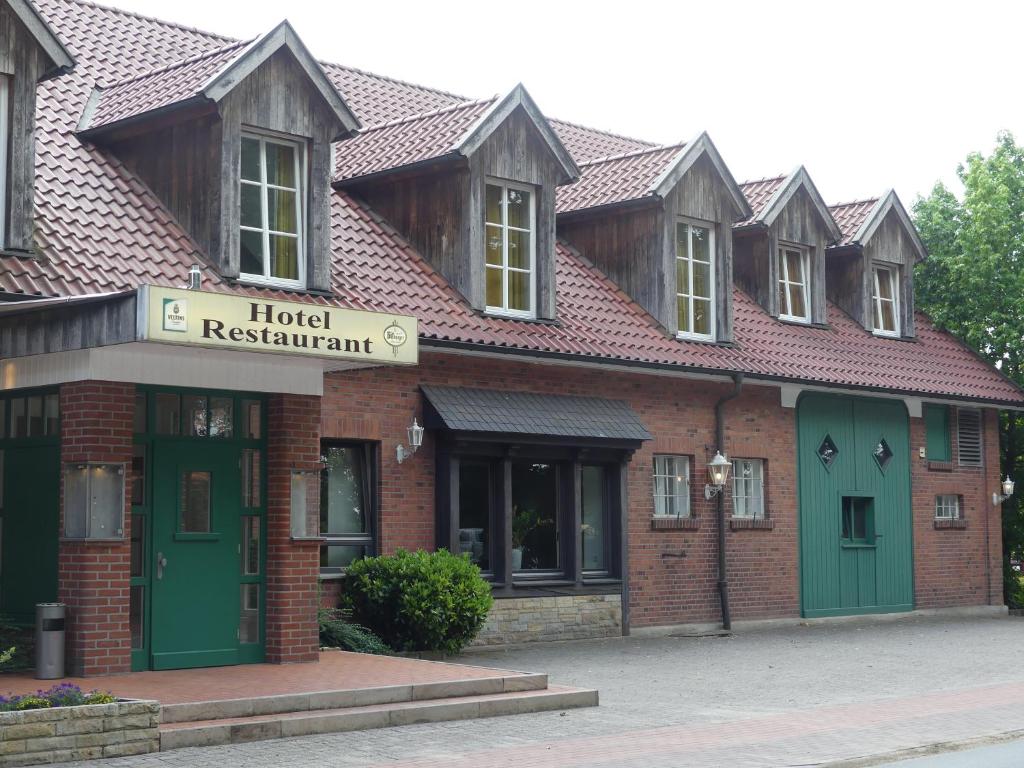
x: 798, y: 696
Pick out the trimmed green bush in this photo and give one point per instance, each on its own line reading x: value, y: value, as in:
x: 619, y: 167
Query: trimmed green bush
x: 418, y: 601
x: 337, y: 632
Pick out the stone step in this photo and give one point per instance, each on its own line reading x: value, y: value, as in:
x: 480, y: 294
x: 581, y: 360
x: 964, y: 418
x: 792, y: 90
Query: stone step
x: 510, y: 682
x: 357, y: 718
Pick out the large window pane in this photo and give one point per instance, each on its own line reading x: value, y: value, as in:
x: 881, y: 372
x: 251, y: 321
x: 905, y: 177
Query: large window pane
x: 519, y: 249
x: 251, y: 494
x: 19, y: 422
x: 519, y: 208
x: 251, y: 159
x: 518, y: 290
x: 342, y: 502
x: 280, y: 165
x: 194, y: 416
x: 281, y: 210
x: 493, y: 211
x: 594, y: 484
x: 249, y: 619
x: 284, y: 257
x: 251, y: 248
x: 51, y: 414
x: 195, y: 502
x: 251, y: 415
x: 475, y: 512
x: 535, y: 516
x: 340, y: 556
x: 495, y: 296
x: 35, y: 416
x: 168, y: 410
x: 252, y: 206
x: 221, y: 416
x: 136, y: 616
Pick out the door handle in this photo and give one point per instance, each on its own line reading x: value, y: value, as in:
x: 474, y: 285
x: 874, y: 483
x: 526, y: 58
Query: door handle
x: 161, y: 563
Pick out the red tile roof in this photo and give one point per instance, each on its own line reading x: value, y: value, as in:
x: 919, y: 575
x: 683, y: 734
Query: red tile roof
x: 407, y: 140
x: 161, y: 87
x: 99, y: 229
x: 851, y: 216
x: 758, y: 193
x: 586, y: 144
x: 616, y: 179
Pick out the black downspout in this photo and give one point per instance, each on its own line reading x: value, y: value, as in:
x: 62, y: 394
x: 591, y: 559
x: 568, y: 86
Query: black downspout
x: 723, y: 583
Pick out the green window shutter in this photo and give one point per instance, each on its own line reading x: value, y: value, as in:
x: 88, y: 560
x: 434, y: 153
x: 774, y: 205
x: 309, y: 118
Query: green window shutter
x: 936, y: 422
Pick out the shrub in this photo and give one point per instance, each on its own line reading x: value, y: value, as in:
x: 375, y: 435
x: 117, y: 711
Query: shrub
x: 7, y: 655
x: 337, y: 632
x: 419, y: 601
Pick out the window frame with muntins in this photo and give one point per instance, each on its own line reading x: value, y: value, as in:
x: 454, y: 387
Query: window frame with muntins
x: 685, y: 294
x: 753, y: 505
x: 674, y: 504
x: 300, y: 171
x: 787, y: 284
x: 948, y: 506
x: 504, y: 267
x: 877, y: 300
x: 369, y: 457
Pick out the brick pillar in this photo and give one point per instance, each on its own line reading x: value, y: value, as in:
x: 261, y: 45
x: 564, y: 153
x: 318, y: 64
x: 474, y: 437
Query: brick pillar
x: 293, y: 442
x: 990, y: 431
x: 93, y: 576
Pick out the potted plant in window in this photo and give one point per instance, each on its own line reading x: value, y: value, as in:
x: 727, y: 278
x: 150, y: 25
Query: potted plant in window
x: 524, y: 522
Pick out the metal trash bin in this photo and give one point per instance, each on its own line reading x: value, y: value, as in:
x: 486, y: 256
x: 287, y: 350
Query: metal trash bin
x: 50, y: 640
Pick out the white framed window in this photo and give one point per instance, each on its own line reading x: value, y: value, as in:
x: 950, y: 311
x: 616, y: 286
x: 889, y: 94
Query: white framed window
x: 947, y: 507
x: 5, y: 84
x: 748, y: 488
x: 509, y: 249
x: 794, y: 282
x: 885, y: 301
x: 272, y: 218
x: 671, y: 486
x: 695, y: 280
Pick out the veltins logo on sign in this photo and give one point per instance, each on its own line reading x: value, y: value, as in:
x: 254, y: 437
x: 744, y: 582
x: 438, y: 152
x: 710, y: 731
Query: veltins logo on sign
x: 395, y: 336
x: 176, y: 315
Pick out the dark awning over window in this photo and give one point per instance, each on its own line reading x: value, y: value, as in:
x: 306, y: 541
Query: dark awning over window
x: 524, y: 413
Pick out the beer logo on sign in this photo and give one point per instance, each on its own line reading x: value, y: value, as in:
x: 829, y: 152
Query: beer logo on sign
x: 395, y: 336
x: 176, y: 315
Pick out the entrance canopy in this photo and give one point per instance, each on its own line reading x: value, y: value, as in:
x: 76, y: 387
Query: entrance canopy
x: 565, y: 418
x: 176, y: 336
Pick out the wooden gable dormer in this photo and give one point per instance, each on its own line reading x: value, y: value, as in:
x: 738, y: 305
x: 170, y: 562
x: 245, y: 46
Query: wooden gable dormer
x: 29, y: 53
x: 237, y: 143
x: 472, y: 187
x: 875, y: 259
x: 655, y: 219
x: 780, y: 250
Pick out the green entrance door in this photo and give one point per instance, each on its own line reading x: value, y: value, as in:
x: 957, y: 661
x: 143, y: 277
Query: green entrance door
x: 856, y: 548
x: 196, y: 545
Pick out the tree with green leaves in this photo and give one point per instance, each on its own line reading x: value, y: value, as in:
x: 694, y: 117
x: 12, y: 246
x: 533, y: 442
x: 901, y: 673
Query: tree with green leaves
x: 972, y: 284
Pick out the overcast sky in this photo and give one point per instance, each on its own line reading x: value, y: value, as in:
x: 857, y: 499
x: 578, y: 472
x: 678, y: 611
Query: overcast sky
x: 867, y: 95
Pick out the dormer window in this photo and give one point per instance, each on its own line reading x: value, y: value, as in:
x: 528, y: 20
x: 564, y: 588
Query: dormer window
x: 695, y: 280
x: 509, y: 249
x: 271, y: 241
x: 885, y: 301
x: 4, y: 143
x: 794, y: 269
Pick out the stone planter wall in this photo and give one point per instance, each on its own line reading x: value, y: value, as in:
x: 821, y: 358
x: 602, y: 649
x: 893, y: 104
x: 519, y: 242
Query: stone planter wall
x: 60, y: 734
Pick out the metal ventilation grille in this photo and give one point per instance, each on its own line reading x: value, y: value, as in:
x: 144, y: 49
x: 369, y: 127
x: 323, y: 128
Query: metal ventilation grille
x: 968, y: 436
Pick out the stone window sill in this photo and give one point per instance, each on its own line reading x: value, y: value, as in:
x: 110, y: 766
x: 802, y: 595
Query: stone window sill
x: 674, y: 524
x: 940, y: 466
x: 945, y: 525
x: 750, y: 524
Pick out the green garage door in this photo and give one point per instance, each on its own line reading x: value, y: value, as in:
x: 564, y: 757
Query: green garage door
x: 856, y: 548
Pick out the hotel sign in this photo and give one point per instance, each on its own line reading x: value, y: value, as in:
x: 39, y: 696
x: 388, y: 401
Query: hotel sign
x: 256, y: 324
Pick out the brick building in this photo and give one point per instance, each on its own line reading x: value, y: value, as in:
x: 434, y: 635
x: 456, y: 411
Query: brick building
x: 236, y: 281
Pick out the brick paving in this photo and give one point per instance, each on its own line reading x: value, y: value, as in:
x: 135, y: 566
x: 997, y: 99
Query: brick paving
x: 795, y: 696
x: 337, y: 671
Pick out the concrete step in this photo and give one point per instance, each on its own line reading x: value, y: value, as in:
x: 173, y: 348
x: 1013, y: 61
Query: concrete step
x: 510, y: 682
x: 356, y: 718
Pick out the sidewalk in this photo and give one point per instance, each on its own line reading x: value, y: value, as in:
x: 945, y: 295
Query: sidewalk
x: 800, y: 696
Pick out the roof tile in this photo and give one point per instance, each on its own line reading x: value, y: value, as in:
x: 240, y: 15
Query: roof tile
x: 758, y: 193
x: 616, y: 179
x: 851, y: 216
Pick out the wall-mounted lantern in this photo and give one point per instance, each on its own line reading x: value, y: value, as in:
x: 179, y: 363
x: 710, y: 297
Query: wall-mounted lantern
x: 1007, y: 491
x: 718, y: 471
x: 415, y: 434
